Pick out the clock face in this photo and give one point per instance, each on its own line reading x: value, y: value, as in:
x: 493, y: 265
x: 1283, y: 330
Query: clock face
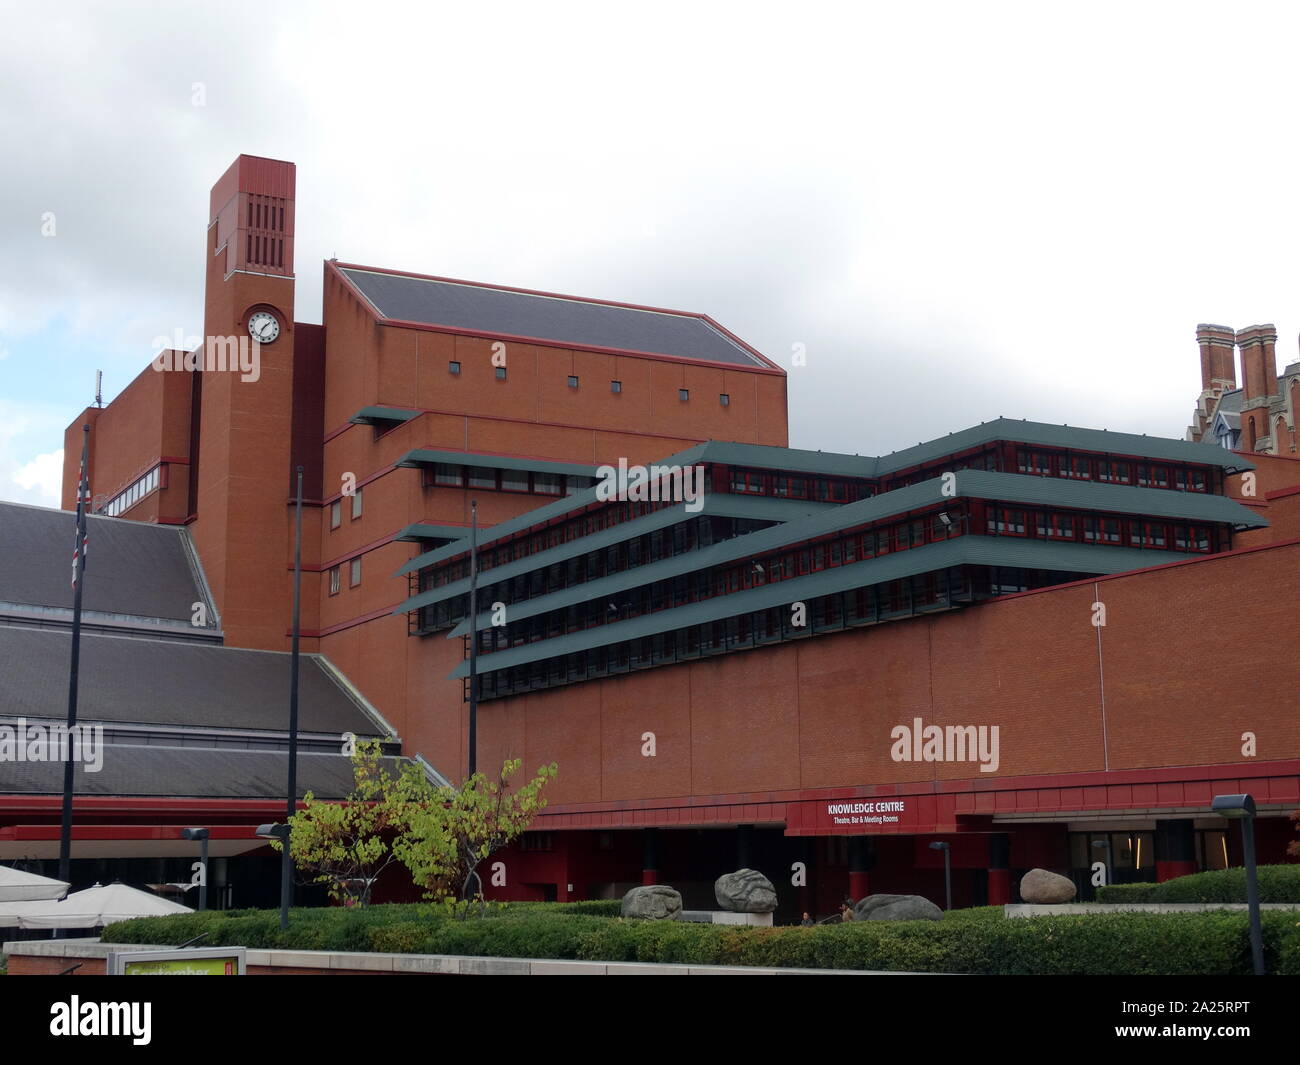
x: 263, y: 327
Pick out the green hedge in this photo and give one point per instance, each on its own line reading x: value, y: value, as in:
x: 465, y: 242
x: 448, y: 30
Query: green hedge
x: 1277, y: 883
x: 977, y: 941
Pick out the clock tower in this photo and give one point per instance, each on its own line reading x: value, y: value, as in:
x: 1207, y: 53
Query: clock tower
x: 243, y: 402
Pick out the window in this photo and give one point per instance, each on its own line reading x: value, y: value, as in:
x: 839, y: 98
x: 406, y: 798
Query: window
x: 1113, y: 471
x: 1079, y: 467
x: 573, y: 381
x: 724, y: 399
x: 683, y: 394
x: 356, y: 505
x: 514, y: 480
x: 334, y: 581
x: 354, y: 575
x: 453, y: 367
x: 1006, y: 521
x: 481, y: 478
x: 501, y: 373
x: 447, y: 474
x: 336, y: 514
x: 1055, y: 526
x: 547, y: 484
x: 616, y: 386
x: 1101, y: 530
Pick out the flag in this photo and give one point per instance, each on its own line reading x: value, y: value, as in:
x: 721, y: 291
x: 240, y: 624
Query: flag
x: 79, y: 542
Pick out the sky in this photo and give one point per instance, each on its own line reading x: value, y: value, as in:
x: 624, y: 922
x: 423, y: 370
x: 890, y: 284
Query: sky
x: 960, y: 211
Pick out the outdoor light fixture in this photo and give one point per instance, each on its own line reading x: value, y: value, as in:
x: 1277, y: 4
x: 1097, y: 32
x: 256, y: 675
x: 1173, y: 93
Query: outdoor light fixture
x: 280, y: 832
x: 200, y: 834
x: 1242, y: 808
x: 947, y: 872
x: 943, y: 517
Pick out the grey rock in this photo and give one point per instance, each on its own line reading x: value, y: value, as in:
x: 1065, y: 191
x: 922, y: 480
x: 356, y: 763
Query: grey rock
x: 896, y: 908
x: 652, y: 902
x: 745, y: 891
x: 1039, y: 885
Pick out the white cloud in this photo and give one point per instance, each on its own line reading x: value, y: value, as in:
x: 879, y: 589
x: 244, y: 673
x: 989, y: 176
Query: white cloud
x: 41, y: 479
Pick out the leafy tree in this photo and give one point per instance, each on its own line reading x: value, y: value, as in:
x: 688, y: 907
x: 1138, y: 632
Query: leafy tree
x: 348, y: 844
x: 451, y: 831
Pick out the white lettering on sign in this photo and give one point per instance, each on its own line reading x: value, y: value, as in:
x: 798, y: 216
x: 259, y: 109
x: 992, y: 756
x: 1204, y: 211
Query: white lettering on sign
x: 874, y: 812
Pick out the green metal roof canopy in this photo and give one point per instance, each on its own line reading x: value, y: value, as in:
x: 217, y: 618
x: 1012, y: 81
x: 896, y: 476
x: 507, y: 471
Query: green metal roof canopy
x: 963, y: 550
x: 974, y: 484
x: 477, y: 460
x: 724, y: 505
x: 370, y: 415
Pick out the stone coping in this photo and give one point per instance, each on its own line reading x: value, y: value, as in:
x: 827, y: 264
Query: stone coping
x: 1041, y: 909
x: 449, y: 964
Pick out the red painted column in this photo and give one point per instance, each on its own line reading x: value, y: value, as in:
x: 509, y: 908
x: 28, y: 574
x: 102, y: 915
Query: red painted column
x: 999, y: 869
x: 650, y: 856
x: 1175, y: 848
x: 861, y: 859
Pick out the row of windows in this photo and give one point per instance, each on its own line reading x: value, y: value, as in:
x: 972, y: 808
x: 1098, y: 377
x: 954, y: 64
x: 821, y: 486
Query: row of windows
x: 593, y: 521
x: 797, y: 486
x: 662, y: 543
x: 1111, y: 471
x: 683, y: 394
x: 449, y: 475
x: 940, y: 590
x: 128, y: 498
x: 336, y: 510
x: 354, y: 575
x: 1094, y: 529
x: 707, y: 583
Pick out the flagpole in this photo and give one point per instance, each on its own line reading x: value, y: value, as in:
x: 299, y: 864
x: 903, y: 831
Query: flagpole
x: 78, y: 572
x: 286, y: 858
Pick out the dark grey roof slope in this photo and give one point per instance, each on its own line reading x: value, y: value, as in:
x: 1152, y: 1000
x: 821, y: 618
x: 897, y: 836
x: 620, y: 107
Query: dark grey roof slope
x: 481, y: 309
x: 186, y: 772
x: 171, y: 683
x: 131, y: 568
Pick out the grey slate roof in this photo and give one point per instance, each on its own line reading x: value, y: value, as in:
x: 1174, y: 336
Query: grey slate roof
x: 558, y: 319
x: 132, y: 568
x: 169, y: 683
x: 963, y: 550
x: 186, y: 772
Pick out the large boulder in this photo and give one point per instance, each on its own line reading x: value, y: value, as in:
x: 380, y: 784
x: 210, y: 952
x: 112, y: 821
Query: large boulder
x: 652, y: 902
x: 745, y: 891
x: 896, y: 908
x: 1038, y: 885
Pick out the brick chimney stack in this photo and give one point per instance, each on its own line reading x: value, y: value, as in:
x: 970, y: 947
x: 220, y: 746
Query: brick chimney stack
x: 1258, y: 361
x: 1258, y: 382
x: 1218, y: 361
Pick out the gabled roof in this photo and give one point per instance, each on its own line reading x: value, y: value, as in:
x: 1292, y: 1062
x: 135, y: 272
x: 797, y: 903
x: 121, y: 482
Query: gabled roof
x: 172, y: 683
x: 189, y: 772
x: 133, y: 569
x: 491, y: 310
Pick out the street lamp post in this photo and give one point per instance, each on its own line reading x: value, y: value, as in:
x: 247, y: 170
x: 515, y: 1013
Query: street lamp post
x: 1242, y: 808
x: 201, y: 834
x: 947, y: 872
x: 280, y: 832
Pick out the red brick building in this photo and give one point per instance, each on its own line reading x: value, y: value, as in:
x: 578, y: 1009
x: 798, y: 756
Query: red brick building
x: 1120, y: 608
